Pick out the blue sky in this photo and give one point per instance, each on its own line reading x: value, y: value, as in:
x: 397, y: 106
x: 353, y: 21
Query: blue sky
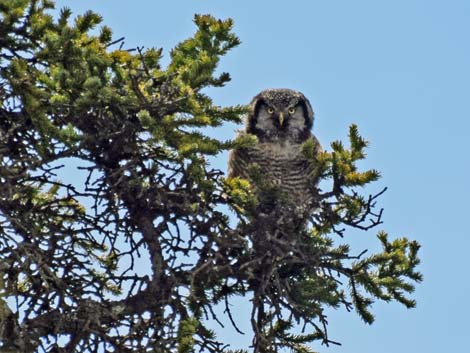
x: 401, y: 71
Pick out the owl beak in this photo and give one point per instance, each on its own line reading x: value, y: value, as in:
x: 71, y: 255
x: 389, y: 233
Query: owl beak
x: 281, y: 119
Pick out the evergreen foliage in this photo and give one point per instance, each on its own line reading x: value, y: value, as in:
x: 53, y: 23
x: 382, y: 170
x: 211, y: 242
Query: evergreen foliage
x: 69, y: 250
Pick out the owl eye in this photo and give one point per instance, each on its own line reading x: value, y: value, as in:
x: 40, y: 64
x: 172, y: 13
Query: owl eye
x: 292, y: 110
x: 270, y: 110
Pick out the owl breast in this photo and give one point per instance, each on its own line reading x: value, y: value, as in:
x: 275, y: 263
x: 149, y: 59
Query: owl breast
x: 280, y: 163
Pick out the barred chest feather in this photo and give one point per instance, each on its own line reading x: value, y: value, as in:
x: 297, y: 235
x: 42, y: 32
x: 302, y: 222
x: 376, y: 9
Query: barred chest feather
x: 281, y: 163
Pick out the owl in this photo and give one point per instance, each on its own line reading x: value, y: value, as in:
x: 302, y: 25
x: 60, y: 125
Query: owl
x: 282, y: 120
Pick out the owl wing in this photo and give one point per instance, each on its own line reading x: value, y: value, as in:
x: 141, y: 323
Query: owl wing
x: 317, y: 143
x: 313, y: 166
x: 238, y: 160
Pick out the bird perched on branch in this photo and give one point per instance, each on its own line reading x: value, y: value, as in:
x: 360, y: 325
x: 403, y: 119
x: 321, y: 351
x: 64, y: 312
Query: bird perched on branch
x: 277, y: 165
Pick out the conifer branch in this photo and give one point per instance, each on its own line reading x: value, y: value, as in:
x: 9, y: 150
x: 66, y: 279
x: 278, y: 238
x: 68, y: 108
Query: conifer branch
x: 135, y: 250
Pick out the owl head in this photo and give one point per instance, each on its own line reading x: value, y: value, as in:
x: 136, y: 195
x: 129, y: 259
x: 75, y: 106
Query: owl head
x: 280, y: 114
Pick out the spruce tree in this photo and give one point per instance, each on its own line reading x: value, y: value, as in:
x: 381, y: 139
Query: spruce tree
x: 71, y: 251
